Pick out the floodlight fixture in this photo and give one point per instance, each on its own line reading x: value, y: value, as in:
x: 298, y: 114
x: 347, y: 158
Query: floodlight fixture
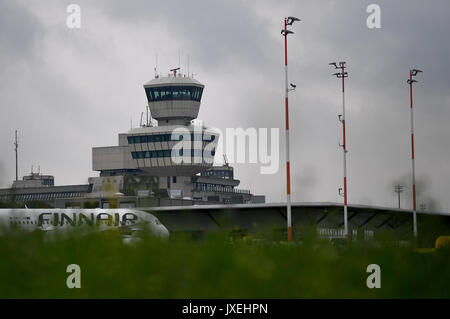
x: 291, y: 20
x: 286, y: 32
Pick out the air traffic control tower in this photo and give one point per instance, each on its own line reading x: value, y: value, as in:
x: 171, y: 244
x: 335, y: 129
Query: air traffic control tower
x: 175, y: 150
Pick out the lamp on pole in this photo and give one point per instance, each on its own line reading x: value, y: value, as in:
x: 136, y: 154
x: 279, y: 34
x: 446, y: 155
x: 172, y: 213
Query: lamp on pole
x: 285, y: 32
x: 410, y: 81
x: 342, y: 75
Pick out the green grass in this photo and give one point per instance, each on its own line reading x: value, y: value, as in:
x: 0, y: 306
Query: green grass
x: 34, y: 266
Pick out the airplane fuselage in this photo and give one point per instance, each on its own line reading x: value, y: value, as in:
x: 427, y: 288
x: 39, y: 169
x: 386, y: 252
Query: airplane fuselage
x: 54, y: 219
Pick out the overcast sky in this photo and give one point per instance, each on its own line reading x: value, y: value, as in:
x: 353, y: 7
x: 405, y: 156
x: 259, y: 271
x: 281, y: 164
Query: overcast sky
x: 68, y: 90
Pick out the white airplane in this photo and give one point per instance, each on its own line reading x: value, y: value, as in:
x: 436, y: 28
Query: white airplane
x: 128, y: 221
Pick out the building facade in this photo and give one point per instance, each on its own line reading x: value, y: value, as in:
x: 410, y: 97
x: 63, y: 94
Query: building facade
x: 164, y: 162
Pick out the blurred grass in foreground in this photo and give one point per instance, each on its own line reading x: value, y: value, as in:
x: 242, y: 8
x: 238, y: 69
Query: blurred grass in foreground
x: 34, y: 266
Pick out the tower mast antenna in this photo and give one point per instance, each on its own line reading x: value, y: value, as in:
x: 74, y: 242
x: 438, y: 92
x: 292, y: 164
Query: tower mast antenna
x: 156, y: 66
x: 179, y: 61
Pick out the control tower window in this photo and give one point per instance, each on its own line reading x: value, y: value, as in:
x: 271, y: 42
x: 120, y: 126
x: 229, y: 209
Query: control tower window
x: 165, y: 93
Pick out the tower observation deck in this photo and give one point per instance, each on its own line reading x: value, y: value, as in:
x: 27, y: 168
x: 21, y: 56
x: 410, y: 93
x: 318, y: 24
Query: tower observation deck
x: 174, y: 100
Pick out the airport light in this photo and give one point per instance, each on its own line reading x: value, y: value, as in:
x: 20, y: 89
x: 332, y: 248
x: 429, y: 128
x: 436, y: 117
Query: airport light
x: 410, y: 81
x: 342, y: 75
x: 285, y: 32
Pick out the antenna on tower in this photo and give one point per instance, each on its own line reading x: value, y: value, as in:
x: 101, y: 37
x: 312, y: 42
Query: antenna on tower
x: 188, y: 65
x: 174, y: 71
x: 225, y: 159
x: 179, y: 61
x: 16, y: 144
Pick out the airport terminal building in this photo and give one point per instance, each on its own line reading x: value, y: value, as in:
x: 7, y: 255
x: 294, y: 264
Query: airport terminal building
x: 167, y: 161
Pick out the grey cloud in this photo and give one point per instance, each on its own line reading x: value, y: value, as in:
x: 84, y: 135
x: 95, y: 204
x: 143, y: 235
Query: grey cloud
x: 2, y: 174
x: 20, y: 32
x: 217, y: 33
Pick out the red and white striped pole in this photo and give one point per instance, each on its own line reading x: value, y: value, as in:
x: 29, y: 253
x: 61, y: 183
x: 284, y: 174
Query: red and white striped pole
x: 285, y: 32
x: 412, y: 73
x: 344, y: 147
x: 342, y: 75
x: 288, y: 166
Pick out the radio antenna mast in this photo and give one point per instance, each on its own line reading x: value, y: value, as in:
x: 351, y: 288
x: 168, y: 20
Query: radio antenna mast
x: 16, y: 144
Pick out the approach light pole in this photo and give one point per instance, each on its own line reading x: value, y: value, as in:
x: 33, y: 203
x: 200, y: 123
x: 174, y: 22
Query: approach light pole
x: 285, y: 32
x: 342, y: 75
x: 410, y: 81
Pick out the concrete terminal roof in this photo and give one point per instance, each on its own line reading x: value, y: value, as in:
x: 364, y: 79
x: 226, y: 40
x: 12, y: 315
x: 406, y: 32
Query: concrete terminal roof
x: 251, y: 218
x: 281, y: 205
